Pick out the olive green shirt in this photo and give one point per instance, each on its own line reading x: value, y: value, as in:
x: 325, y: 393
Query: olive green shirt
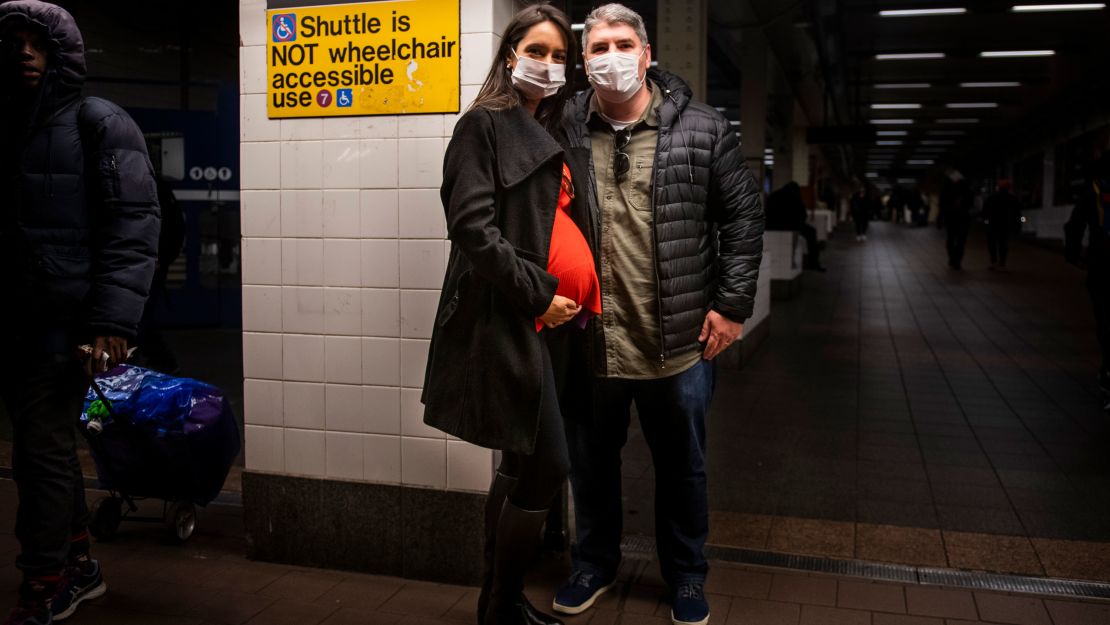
x: 629, y: 283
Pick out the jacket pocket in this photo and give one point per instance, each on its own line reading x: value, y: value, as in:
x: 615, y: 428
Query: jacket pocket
x: 450, y: 304
x: 64, y: 262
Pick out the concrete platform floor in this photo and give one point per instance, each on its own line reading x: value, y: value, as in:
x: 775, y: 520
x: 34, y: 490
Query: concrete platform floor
x: 208, y: 582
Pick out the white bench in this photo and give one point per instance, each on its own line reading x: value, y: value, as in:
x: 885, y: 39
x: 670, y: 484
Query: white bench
x: 786, y: 249
x: 823, y: 220
x: 757, y: 327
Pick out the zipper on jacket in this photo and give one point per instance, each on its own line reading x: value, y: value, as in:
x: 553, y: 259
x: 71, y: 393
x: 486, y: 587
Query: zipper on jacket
x: 655, y: 241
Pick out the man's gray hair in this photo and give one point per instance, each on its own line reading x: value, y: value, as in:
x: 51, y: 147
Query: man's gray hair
x: 614, y: 14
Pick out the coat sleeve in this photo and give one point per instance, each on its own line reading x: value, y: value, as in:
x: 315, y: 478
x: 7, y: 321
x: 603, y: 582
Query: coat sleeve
x: 735, y: 203
x: 468, y: 194
x: 125, y: 218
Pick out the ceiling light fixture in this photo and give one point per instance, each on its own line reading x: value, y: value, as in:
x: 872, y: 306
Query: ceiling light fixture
x: 1037, y: 8
x: 871, y: 174
x: 973, y: 85
x: 903, y: 85
x: 910, y: 56
x: 892, y: 133
x: 1003, y: 54
x: 972, y: 105
x: 927, y: 161
x: 958, y: 120
x: 922, y: 12
x: 888, y: 143
x: 892, y: 121
x: 882, y: 107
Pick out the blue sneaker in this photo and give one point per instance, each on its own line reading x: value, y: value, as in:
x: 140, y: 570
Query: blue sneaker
x: 689, y: 606
x: 78, y: 584
x: 580, y: 591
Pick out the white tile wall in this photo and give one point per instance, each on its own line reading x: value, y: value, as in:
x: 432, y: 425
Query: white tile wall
x: 303, y: 357
x: 378, y: 209
x: 302, y: 309
x: 343, y: 311
x: 261, y: 308
x: 343, y: 408
x: 344, y: 455
x: 343, y: 359
x: 305, y: 453
x: 381, y: 407
x: 264, y: 403
x: 304, y: 405
x: 265, y: 448
x: 302, y: 213
x: 422, y: 264
x: 343, y: 256
x: 418, y: 312
x: 342, y: 214
x: 421, y: 214
x: 382, y: 459
x: 260, y: 213
x: 260, y: 165
x: 424, y: 462
x: 468, y: 467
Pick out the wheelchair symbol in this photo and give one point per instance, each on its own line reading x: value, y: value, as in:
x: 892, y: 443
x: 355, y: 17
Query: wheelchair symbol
x: 344, y: 98
x: 285, y: 27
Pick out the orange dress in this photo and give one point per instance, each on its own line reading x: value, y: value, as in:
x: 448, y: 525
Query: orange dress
x: 571, y: 261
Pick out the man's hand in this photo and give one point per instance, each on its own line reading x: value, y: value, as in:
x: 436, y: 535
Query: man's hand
x: 115, y: 348
x: 718, y: 332
x: 560, y: 311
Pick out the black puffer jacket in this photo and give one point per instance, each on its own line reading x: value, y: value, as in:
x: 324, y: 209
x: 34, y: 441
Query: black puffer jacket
x: 708, y: 214
x: 78, y: 203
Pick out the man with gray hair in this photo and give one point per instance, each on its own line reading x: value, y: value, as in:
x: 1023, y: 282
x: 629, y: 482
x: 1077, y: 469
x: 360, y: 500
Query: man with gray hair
x: 677, y: 227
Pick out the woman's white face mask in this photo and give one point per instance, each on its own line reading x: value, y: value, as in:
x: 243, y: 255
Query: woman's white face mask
x: 536, y: 79
x: 616, y: 75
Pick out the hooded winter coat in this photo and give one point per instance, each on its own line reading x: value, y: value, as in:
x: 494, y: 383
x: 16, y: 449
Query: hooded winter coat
x: 79, y: 214
x: 708, y: 218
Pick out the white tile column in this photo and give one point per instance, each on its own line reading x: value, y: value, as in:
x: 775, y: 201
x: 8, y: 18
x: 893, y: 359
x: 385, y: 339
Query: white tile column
x: 344, y: 250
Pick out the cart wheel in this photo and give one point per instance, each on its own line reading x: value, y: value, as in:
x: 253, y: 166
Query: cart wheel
x: 181, y: 519
x: 106, y: 513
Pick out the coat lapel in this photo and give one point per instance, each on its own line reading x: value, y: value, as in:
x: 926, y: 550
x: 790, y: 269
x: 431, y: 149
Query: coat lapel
x: 522, y: 145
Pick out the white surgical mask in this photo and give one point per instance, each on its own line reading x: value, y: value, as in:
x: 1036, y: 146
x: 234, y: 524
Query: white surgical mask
x: 537, y: 79
x: 616, y: 75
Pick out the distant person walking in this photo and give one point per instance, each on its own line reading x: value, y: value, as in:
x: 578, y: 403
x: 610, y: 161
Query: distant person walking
x: 861, y: 213
x: 1002, y: 212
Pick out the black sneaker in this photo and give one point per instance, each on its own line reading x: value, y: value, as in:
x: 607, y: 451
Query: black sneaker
x: 78, y: 584
x: 580, y: 591
x: 689, y: 606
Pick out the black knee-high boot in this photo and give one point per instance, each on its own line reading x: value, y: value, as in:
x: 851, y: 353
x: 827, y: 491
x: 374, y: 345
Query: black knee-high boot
x: 517, y: 538
x: 500, y: 488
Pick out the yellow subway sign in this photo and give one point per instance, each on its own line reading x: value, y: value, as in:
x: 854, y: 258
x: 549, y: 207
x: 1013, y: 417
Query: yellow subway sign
x: 369, y: 58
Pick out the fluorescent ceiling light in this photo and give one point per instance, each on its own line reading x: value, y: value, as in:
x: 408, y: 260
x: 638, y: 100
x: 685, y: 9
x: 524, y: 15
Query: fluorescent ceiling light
x: 910, y: 56
x: 892, y: 121
x: 939, y: 142
x: 1037, y: 8
x: 958, y: 120
x: 903, y: 85
x: 920, y: 12
x: 927, y: 161
x: 895, y: 106
x: 888, y: 143
x: 892, y: 133
x: 734, y: 122
x: 768, y: 150
x: 578, y: 27
x: 972, y: 105
x: 973, y: 85
x: 720, y: 109
x: 871, y: 174
x: 1002, y: 54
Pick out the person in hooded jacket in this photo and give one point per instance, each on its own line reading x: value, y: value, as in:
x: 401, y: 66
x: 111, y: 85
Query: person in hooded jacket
x: 520, y: 279
x: 676, y: 225
x: 78, y: 240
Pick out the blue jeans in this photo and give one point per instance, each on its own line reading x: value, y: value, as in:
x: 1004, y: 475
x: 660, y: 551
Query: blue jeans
x: 672, y: 417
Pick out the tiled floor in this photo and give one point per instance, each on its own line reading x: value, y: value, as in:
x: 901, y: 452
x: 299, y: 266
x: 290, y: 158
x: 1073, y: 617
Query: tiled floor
x: 903, y: 412
x: 208, y: 582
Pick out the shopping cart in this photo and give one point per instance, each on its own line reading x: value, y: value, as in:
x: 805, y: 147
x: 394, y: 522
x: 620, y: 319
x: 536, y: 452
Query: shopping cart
x: 155, y: 436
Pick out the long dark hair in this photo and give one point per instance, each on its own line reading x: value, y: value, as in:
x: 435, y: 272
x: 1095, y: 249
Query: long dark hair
x: 498, y: 92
